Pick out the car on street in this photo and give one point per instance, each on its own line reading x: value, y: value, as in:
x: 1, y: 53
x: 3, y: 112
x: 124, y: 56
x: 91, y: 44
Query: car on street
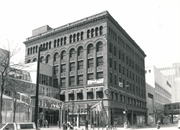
x: 179, y: 124
x: 18, y: 126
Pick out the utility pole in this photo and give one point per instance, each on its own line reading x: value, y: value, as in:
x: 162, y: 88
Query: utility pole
x: 37, y: 89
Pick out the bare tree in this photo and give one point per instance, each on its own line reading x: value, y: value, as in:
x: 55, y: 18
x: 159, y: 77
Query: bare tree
x: 7, y: 63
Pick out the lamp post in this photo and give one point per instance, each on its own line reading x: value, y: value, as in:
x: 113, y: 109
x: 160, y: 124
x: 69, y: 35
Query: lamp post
x: 37, y: 88
x: 125, y: 100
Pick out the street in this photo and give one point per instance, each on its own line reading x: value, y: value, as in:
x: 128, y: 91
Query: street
x: 163, y: 127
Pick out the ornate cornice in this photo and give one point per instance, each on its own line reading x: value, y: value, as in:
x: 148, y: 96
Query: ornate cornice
x: 69, y: 26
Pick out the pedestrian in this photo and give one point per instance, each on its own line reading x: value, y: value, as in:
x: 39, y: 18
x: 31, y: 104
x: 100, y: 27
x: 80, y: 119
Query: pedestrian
x: 40, y: 122
x: 114, y: 125
x: 65, y: 125
x: 128, y: 125
x: 86, y: 125
x: 125, y: 125
x: 45, y: 123
x: 158, y: 125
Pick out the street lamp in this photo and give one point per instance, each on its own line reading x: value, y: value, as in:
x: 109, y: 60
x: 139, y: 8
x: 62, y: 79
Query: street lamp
x: 125, y: 105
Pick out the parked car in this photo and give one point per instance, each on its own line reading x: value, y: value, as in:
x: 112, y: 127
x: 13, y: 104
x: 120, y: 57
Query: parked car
x: 179, y: 124
x: 18, y: 126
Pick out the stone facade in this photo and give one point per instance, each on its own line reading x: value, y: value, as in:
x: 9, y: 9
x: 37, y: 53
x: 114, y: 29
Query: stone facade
x: 90, y: 59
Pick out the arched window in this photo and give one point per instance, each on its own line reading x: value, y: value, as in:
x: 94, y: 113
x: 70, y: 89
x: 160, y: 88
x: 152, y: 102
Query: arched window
x: 29, y: 61
x: 96, y: 31
x: 31, y: 50
x: 54, y: 43
x: 57, y: 42
x: 50, y: 45
x: 63, y: 55
x: 41, y: 46
x: 77, y: 36
x: 90, y: 49
x: 61, y: 41
x: 72, y: 53
x: 34, y: 60
x: 70, y: 39
x: 88, y: 33
x: 101, y: 30
x: 82, y: 35
x: 99, y: 46
x: 80, y: 51
x: 74, y: 38
x: 36, y: 49
x: 64, y: 40
x: 42, y: 59
x: 46, y: 45
x: 28, y: 51
x: 92, y: 32
x: 56, y: 56
x: 47, y: 59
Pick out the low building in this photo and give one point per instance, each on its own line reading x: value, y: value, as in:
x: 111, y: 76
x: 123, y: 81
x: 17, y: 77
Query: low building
x: 172, y: 73
x: 158, y: 93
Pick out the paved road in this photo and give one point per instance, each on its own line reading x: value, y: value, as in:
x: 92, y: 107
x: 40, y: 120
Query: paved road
x: 163, y: 127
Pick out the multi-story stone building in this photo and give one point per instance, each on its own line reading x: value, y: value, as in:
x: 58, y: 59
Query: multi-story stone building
x: 158, y: 93
x: 172, y: 73
x: 90, y: 59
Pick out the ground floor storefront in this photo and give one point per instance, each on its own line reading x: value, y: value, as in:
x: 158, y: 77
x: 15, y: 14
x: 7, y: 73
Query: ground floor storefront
x: 93, y: 113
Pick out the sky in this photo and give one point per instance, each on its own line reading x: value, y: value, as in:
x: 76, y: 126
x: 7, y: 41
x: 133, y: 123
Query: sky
x: 153, y: 24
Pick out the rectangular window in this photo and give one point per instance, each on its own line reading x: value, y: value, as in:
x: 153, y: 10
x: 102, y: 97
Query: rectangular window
x: 72, y: 66
x: 90, y: 63
x: 79, y: 96
x: 71, y: 97
x: 55, y: 83
x: 55, y: 70
x: 119, y: 68
x: 90, y: 76
x: 123, y: 70
x: 80, y: 65
x: 80, y: 79
x: 150, y: 96
x: 89, y: 95
x: 110, y: 77
x: 127, y: 72
x: 114, y: 65
x: 63, y: 82
x: 72, y: 81
x: 99, y: 75
x: 110, y: 62
x: 119, y: 54
x: 63, y: 68
x: 99, y: 61
x: 115, y: 80
x: 115, y: 51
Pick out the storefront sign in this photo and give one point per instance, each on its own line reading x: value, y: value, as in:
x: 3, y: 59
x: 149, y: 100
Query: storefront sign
x: 96, y: 81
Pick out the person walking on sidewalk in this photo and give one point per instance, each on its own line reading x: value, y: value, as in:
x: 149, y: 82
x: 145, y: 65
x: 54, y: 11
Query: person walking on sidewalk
x: 158, y: 125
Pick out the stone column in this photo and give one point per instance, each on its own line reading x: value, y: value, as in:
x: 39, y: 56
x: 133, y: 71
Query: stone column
x: 85, y: 72
x: 67, y: 75
x: 76, y: 71
x: 95, y: 64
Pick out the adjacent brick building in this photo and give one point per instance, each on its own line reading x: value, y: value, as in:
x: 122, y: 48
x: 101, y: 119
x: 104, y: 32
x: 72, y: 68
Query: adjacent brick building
x: 90, y: 58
